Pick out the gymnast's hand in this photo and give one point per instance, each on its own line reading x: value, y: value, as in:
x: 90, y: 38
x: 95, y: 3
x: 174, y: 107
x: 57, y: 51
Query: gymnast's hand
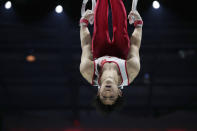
x: 89, y: 14
x: 133, y: 16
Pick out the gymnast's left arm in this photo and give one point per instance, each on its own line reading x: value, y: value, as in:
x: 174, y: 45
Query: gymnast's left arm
x: 133, y: 59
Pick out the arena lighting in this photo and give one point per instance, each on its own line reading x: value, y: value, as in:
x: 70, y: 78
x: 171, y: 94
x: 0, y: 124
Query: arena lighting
x: 59, y: 9
x: 8, y: 5
x: 156, y: 5
x: 31, y: 58
x: 146, y: 76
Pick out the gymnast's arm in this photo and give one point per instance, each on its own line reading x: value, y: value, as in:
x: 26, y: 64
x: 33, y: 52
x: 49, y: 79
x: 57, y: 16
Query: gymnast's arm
x: 133, y: 59
x: 87, y: 63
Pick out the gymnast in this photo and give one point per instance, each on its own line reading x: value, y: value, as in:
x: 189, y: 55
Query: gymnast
x: 110, y: 64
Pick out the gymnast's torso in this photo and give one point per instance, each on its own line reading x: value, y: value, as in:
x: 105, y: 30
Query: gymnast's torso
x: 113, y: 62
x: 93, y: 70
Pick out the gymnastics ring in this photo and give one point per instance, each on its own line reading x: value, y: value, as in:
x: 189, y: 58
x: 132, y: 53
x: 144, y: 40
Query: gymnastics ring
x: 83, y: 9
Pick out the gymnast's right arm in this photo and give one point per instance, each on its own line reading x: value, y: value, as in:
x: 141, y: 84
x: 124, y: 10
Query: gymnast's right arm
x: 87, y: 63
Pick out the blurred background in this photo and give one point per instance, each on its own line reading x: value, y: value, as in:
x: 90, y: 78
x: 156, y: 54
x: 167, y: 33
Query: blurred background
x: 41, y: 88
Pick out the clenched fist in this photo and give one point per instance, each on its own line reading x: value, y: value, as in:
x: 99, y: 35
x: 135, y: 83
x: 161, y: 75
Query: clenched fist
x: 133, y: 16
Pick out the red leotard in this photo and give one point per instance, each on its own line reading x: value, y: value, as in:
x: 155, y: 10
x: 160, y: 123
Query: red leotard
x: 101, y: 44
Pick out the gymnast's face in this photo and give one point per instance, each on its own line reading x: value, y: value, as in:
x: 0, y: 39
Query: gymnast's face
x: 109, y: 92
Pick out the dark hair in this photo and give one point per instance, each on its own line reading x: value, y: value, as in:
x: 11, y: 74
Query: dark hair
x: 108, y: 109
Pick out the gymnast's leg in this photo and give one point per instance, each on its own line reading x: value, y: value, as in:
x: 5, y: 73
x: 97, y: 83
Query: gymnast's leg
x: 101, y: 39
x: 120, y: 33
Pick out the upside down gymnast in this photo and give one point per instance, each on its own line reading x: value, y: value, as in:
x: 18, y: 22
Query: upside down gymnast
x: 110, y: 64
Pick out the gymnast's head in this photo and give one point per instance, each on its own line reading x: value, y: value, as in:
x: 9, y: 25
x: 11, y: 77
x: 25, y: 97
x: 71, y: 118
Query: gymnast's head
x: 109, y: 92
x: 109, y: 97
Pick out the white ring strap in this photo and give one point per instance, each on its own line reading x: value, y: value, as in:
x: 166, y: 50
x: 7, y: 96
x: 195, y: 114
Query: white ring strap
x: 134, y: 5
